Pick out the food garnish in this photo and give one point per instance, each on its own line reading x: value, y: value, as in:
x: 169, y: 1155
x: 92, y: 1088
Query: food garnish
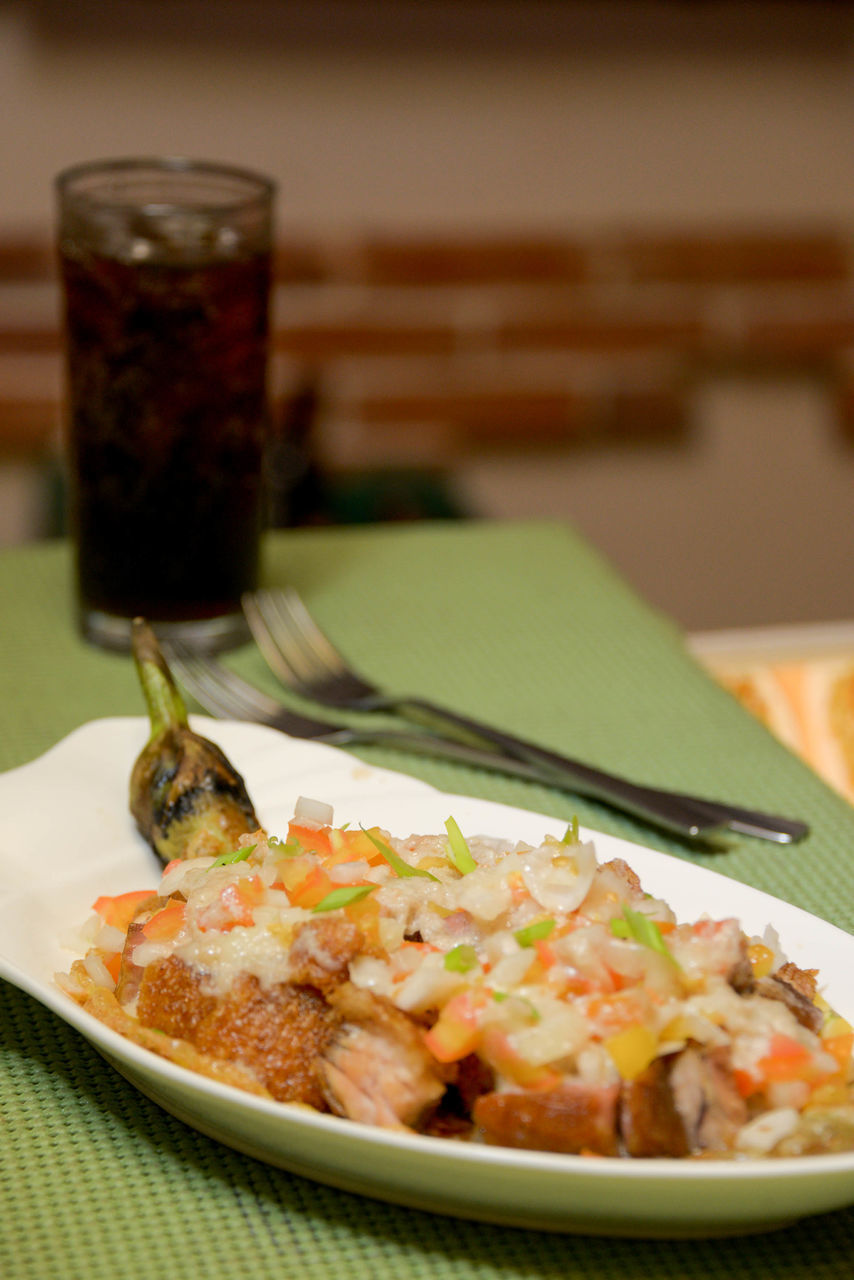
x: 321, y: 970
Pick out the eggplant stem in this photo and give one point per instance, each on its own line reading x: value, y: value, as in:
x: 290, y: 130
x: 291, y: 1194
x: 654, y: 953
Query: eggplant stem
x: 165, y: 705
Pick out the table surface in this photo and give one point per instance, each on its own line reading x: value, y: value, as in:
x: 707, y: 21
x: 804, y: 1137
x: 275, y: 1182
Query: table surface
x: 521, y: 624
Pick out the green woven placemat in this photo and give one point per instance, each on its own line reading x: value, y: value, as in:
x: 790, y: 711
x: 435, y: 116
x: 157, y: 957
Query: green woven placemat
x: 521, y: 624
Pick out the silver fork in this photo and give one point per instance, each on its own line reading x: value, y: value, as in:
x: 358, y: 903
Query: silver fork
x: 306, y: 661
x: 226, y: 694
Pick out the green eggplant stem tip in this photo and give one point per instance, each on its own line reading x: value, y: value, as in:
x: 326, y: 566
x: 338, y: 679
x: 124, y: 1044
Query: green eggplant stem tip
x: 165, y: 705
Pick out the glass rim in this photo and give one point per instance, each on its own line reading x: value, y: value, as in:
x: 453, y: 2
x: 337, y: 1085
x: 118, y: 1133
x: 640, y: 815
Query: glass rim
x: 259, y: 189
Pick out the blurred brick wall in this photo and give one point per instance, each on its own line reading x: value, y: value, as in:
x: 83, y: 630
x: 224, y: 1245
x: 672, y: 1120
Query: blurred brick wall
x: 421, y: 352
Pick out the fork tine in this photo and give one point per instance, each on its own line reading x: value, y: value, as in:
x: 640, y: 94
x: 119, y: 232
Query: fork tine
x: 211, y: 695
x: 275, y: 640
x: 289, y: 608
x: 220, y: 689
x: 298, y: 651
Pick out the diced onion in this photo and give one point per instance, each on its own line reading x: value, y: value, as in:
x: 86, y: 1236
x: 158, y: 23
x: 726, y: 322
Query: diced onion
x: 561, y: 1033
x: 761, y: 1135
x: 350, y: 872
x: 98, y: 971
x: 560, y: 885
x: 314, y: 811
x: 109, y: 938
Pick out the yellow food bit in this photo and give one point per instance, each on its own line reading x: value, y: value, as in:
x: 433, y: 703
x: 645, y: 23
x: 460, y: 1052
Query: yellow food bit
x: 632, y: 1050
x: 835, y: 1026
x: 283, y: 933
x: 832, y: 1094
x: 390, y: 932
x: 761, y: 958
x: 678, y: 1029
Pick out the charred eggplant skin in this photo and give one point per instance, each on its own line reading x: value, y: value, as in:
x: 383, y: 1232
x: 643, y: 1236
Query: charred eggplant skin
x: 187, y: 798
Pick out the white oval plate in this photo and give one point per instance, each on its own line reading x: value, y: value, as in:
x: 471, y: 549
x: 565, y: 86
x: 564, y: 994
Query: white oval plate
x: 66, y: 837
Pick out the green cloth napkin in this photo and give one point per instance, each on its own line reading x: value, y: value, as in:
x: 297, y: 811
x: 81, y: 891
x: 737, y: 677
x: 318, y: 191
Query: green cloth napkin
x: 520, y: 624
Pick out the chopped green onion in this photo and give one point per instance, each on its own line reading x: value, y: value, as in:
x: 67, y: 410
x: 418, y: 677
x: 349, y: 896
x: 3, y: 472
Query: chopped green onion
x: 639, y: 928
x: 290, y: 847
x: 397, y: 864
x: 458, y: 850
x: 533, y: 932
x: 461, y: 958
x: 228, y: 859
x: 570, y: 836
x: 343, y: 897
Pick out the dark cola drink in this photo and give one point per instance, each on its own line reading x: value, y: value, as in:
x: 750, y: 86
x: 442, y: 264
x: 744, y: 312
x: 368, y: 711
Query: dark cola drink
x: 167, y: 350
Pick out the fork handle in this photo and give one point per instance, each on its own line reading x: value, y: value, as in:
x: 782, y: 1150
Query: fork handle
x: 651, y: 803
x: 678, y: 815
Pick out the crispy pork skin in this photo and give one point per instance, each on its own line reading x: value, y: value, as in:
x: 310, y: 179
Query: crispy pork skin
x: 322, y: 950
x: 278, y: 1033
x: 569, y: 1118
x: 650, y: 1124
x: 792, y: 988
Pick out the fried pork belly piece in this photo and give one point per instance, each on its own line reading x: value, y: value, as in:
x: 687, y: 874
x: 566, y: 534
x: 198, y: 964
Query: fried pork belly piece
x: 569, y: 1118
x: 650, y: 1122
x: 104, y: 1006
x: 322, y: 950
x: 796, y: 989
x: 279, y: 1034
x: 376, y: 1067
x: 714, y: 947
x: 803, y: 980
x: 776, y: 987
x: 682, y: 1104
x: 707, y: 1098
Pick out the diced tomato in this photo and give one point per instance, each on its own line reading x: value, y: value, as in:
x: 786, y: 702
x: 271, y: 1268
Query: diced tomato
x: 242, y: 897
x: 545, y: 953
x: 166, y: 922
x: 291, y: 871
x: 617, y: 1010
x: 312, y: 889
x: 118, y: 911
x: 787, y: 1059
x: 456, y: 1032
x: 746, y: 1082
x: 113, y: 965
x: 312, y: 839
x: 353, y: 846
x: 234, y: 906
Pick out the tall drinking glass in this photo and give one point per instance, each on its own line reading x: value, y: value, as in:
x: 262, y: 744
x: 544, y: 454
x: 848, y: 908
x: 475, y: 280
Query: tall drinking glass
x: 166, y: 267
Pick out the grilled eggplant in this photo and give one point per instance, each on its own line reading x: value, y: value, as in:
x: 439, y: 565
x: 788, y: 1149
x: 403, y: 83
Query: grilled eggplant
x: 186, y: 796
